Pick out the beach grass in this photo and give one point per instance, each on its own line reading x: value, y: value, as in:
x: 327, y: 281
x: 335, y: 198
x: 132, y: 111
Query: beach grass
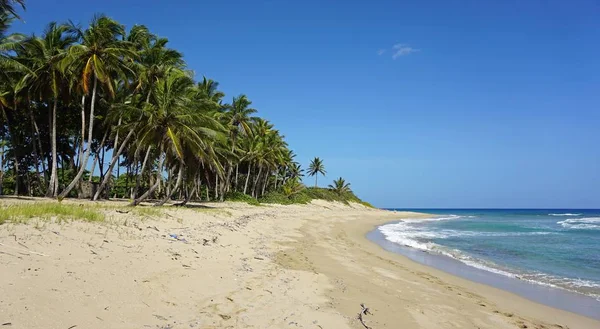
x: 21, y: 213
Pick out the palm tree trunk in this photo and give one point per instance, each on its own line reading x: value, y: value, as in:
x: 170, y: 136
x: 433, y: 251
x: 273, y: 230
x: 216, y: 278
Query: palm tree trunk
x: 316, y: 178
x: 89, y: 149
x: 14, y: 142
x: 139, y: 176
x: 256, y: 181
x: 177, y: 184
x: 247, y: 177
x: 1, y: 165
x: 53, y: 187
x: 37, y: 147
x: 82, y: 130
x: 216, y: 186
x: 188, y: 196
x: 113, y: 161
x: 237, y: 171
x: 227, y: 182
x: 98, y: 155
x: 144, y: 196
x: 265, y: 183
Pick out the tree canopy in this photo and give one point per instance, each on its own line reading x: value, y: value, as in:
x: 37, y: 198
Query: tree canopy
x: 79, y: 103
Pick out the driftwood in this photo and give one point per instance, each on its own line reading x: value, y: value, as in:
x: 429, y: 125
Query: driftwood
x: 363, y: 312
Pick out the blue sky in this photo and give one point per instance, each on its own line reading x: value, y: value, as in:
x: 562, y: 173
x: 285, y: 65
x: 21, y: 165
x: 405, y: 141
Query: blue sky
x: 420, y: 104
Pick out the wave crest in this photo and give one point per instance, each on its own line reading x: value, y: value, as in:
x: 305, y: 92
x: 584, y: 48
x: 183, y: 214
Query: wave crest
x: 585, y: 223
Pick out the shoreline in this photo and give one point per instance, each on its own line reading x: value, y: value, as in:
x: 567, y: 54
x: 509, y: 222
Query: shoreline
x: 408, y: 294
x: 232, y: 265
x: 550, y: 296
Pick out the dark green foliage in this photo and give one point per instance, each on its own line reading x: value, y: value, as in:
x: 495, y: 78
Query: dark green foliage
x: 241, y: 197
x: 275, y: 197
x: 306, y: 195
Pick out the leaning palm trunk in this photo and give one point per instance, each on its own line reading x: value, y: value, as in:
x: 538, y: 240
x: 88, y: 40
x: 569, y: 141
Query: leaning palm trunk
x: 265, y: 183
x: 53, y: 186
x: 97, y: 155
x: 139, y: 175
x: 113, y: 162
x: 247, y: 178
x: 144, y: 196
x: 255, y: 188
x: 177, y: 184
x: 227, y: 182
x: 68, y: 189
x: 188, y: 196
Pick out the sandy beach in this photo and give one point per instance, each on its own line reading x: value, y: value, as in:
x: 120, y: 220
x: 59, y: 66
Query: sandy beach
x: 231, y: 265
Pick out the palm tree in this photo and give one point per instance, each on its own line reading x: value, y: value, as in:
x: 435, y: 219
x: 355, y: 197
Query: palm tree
x: 239, y: 118
x: 340, y: 186
x: 173, y: 125
x: 3, y: 144
x: 99, y: 58
x: 155, y: 59
x: 315, y: 168
x: 8, y: 7
x: 46, y: 80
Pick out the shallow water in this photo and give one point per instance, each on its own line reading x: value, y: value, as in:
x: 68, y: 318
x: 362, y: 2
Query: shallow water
x: 555, y: 253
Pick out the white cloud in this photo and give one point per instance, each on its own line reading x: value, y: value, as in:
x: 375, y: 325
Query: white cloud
x: 402, y: 49
x: 380, y: 52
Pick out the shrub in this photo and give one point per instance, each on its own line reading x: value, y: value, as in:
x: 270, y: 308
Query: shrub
x: 275, y: 197
x: 241, y: 197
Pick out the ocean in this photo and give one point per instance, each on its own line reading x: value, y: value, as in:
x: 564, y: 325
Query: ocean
x: 555, y: 248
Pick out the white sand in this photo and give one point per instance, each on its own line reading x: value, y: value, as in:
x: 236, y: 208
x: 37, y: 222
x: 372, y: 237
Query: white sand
x: 238, y: 266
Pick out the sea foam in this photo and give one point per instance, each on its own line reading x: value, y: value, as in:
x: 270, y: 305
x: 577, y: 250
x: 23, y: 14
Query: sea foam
x: 589, y: 223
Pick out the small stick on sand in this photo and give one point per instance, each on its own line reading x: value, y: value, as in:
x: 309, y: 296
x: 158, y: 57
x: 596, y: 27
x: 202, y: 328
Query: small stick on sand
x: 364, y: 311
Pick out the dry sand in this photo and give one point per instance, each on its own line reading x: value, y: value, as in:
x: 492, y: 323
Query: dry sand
x: 237, y: 266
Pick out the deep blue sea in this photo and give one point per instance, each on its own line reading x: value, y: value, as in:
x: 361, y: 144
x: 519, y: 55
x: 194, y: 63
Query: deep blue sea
x: 556, y: 248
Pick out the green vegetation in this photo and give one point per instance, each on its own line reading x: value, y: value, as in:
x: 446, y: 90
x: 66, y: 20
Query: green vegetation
x: 241, y: 197
x: 306, y: 195
x: 73, y: 94
x: 315, y: 168
x: 22, y: 212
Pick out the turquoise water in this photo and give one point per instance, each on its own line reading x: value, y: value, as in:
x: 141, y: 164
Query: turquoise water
x: 555, y: 248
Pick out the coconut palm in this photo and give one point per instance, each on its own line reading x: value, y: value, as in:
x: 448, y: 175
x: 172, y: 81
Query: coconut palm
x: 8, y: 7
x: 340, y: 186
x: 46, y: 80
x: 101, y: 57
x: 315, y: 168
x: 155, y: 59
x: 172, y: 124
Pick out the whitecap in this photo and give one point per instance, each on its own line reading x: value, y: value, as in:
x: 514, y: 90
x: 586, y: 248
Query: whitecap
x: 581, y: 223
x: 566, y: 214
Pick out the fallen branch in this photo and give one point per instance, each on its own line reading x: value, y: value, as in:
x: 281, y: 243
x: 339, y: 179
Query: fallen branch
x: 364, y: 311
